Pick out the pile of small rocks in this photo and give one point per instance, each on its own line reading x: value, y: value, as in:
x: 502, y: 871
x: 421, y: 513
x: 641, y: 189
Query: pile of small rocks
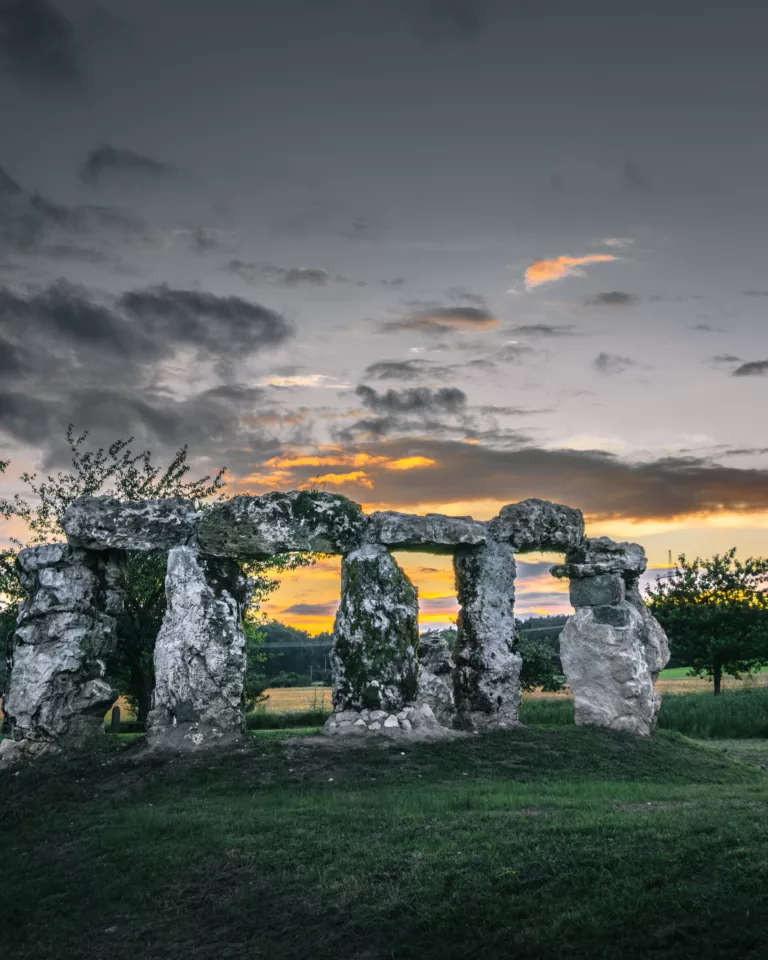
x: 418, y: 719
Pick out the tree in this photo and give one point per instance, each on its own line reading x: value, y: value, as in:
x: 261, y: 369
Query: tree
x: 541, y: 666
x: 117, y: 471
x: 10, y: 596
x: 715, y: 612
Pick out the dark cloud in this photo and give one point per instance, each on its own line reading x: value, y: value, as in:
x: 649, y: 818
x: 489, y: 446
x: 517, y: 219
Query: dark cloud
x: 204, y: 240
x: 419, y: 400
x: 611, y: 363
x: 604, y: 486
x: 421, y: 411
x: 406, y: 370
x: 221, y: 325
x: 393, y: 282
x: 756, y: 368
x: 755, y: 293
x: 107, y: 161
x: 745, y: 452
x: 613, y: 298
x: 70, y: 356
x: 287, y: 276
x: 38, y: 42
x: 542, y: 330
x: 462, y: 295
x: 443, y: 319
x: 707, y: 328
x: 327, y: 609
x: 31, y: 223
x: 723, y: 359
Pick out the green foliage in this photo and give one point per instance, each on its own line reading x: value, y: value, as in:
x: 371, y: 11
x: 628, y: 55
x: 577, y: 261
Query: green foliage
x: 119, y: 472
x: 541, y: 666
x: 255, y: 679
x: 715, y: 613
x: 289, y: 650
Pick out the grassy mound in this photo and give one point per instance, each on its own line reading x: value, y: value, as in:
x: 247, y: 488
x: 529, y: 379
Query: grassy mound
x: 566, y: 843
x: 734, y: 714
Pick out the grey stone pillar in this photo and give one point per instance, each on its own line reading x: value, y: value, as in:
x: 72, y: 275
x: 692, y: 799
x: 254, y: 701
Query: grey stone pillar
x: 200, y: 653
x: 376, y: 635
x: 56, y: 692
x: 612, y: 648
x: 487, y: 673
x: 436, y: 668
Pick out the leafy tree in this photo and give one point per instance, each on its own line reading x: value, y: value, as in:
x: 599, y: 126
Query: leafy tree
x: 715, y: 613
x: 541, y: 666
x: 10, y: 595
x: 118, y: 472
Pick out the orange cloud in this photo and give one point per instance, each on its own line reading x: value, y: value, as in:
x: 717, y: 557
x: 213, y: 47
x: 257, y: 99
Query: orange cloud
x: 545, y: 271
x: 410, y: 463
x: 339, y: 479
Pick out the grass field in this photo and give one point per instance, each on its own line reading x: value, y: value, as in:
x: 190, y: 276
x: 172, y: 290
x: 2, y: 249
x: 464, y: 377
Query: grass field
x: 670, y: 681
x: 535, y: 843
x: 735, y: 714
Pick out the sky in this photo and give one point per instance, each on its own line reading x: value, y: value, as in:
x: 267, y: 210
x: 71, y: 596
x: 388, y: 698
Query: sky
x: 435, y: 255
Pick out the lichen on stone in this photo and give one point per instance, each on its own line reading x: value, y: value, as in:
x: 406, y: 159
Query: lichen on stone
x: 375, y: 634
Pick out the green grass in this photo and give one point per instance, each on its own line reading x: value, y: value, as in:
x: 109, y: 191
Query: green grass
x: 281, y: 720
x: 562, y: 843
x: 733, y: 715
x: 683, y: 673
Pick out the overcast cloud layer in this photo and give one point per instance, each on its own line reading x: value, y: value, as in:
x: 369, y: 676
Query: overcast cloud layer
x: 434, y: 253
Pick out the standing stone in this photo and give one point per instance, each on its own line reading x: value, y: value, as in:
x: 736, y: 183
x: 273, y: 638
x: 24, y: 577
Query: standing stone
x: 612, y: 649
x: 200, y: 653
x: 436, y: 675
x: 607, y: 670
x: 376, y: 634
x: 653, y: 638
x: 56, y: 691
x: 487, y: 674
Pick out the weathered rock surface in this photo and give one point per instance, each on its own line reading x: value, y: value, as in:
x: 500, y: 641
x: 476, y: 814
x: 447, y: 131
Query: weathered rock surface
x: 436, y: 676
x: 66, y: 630
x: 417, y: 722
x: 200, y: 653
x: 375, y: 635
x: 538, y: 525
x: 104, y: 523
x: 608, y: 670
x: 602, y: 555
x: 259, y: 527
x: 653, y: 638
x: 433, y: 533
x: 602, y: 590
x: 487, y: 674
